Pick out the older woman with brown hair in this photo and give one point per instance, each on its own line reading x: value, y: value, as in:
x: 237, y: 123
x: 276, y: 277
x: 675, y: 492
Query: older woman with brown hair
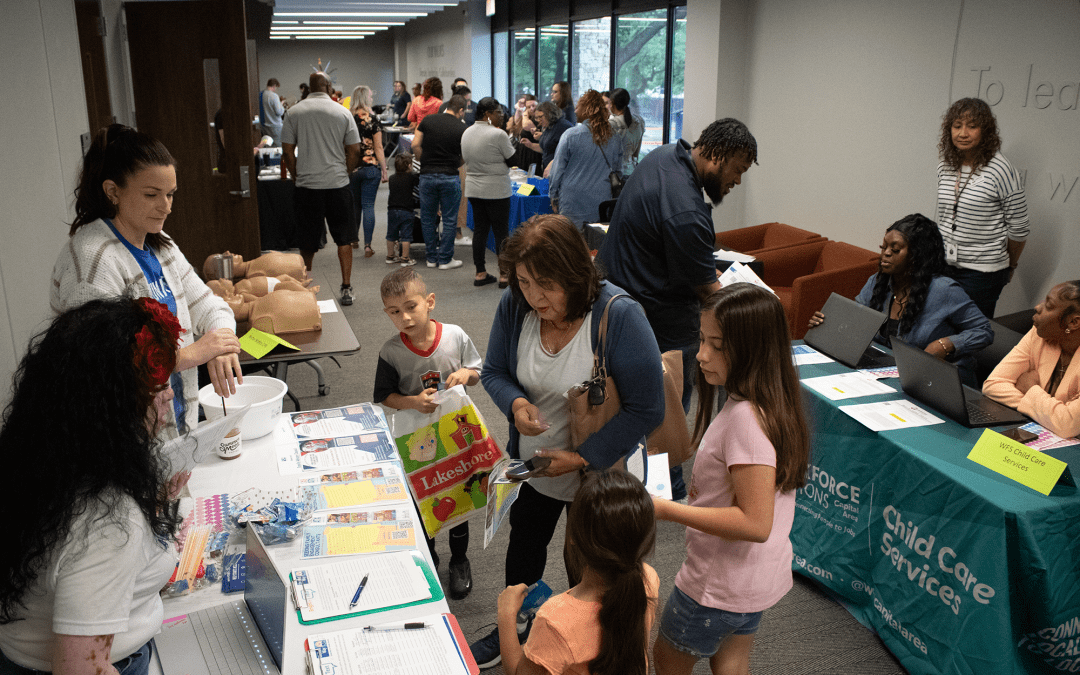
x: 542, y: 341
x: 584, y: 160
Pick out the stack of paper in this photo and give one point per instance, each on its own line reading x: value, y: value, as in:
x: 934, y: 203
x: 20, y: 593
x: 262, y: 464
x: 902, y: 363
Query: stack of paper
x: 326, y: 591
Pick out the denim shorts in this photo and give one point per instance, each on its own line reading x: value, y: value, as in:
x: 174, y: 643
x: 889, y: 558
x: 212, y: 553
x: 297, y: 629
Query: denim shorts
x: 699, y: 630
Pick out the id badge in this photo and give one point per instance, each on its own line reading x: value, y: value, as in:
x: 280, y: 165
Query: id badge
x: 950, y: 253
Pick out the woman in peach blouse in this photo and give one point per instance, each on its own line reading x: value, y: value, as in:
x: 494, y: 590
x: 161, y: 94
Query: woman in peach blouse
x: 1040, y: 377
x: 426, y: 103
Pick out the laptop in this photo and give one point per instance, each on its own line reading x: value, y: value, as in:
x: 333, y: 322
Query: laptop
x: 243, y: 637
x: 847, y: 334
x: 936, y: 383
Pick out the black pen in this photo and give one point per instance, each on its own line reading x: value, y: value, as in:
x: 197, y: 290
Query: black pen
x: 359, y: 590
x: 414, y: 625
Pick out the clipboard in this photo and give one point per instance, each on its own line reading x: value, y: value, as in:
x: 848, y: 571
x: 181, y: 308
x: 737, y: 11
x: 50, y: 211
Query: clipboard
x: 433, y: 586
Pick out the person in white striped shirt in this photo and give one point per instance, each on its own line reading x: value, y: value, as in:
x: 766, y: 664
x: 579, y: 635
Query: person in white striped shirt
x: 981, y: 207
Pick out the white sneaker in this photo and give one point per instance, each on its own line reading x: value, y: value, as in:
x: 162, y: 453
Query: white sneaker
x: 464, y: 241
x: 432, y: 263
x: 453, y: 264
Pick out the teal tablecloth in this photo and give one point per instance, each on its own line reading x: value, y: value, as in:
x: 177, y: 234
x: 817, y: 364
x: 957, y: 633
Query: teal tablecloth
x: 959, y: 569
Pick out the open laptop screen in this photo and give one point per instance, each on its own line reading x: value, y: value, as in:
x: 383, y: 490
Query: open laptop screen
x: 266, y: 595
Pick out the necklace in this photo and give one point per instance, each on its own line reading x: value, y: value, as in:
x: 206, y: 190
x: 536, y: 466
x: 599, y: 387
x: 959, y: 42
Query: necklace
x: 900, y: 303
x: 557, y: 343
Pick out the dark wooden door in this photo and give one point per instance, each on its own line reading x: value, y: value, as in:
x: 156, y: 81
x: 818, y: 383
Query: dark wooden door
x: 189, y: 66
x: 92, y: 51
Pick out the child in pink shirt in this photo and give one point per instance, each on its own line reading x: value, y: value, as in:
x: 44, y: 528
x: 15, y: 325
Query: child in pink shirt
x: 751, y: 458
x: 600, y: 626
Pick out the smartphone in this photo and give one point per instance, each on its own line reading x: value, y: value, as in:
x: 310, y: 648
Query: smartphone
x: 529, y: 467
x: 1020, y: 435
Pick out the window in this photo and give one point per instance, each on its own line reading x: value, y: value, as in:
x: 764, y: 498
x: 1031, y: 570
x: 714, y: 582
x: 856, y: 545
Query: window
x: 554, y: 50
x: 499, y: 47
x: 592, y: 56
x: 523, y: 74
x: 678, y: 68
x: 640, y: 69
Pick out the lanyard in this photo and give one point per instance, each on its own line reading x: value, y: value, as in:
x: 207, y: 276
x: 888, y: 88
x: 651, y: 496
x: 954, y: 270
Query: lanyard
x: 959, y: 190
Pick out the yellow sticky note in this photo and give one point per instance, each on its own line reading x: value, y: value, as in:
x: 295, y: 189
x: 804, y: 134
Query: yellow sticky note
x: 1017, y: 461
x: 526, y: 189
x: 259, y: 344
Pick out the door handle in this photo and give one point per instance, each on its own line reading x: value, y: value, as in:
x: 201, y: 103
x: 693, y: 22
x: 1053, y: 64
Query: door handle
x: 245, y: 183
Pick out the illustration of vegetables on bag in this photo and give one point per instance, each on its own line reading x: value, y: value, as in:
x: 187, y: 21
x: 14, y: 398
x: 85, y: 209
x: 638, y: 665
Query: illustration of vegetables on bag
x: 448, y: 456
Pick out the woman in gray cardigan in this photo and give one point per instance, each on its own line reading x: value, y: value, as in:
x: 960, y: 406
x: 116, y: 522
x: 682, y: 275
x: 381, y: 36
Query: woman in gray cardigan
x: 117, y: 248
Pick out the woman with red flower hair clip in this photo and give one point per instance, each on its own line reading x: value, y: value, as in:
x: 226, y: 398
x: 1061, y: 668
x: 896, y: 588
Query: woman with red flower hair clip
x: 93, y: 542
x: 118, y: 247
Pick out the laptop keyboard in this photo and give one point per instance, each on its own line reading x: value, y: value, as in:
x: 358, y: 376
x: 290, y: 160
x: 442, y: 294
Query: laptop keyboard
x: 977, y: 415
x: 226, y: 637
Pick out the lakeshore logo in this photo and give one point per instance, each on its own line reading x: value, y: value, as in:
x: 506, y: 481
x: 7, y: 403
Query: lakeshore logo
x: 906, y: 534
x: 1058, y: 646
x: 900, y: 628
x: 827, y: 492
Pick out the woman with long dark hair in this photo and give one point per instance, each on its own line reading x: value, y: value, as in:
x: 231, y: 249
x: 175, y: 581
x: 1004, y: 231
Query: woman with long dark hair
x: 925, y: 308
x: 92, y: 544
x: 981, y: 206
x: 601, y: 625
x: 118, y: 247
x: 629, y: 127
x: 560, y: 96
x: 584, y: 160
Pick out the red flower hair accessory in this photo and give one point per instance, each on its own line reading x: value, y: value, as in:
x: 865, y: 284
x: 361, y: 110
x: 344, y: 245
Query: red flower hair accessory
x: 156, y: 343
x: 160, y: 314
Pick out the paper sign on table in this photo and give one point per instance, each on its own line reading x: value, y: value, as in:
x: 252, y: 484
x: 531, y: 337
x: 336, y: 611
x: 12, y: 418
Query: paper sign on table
x: 804, y: 355
x: 327, y: 306
x: 259, y: 344
x: 890, y: 415
x: 1026, y: 466
x: 527, y: 189
x: 847, y: 385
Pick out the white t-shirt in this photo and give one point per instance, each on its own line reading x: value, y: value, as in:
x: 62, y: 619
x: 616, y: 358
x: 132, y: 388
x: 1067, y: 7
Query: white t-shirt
x: 101, y: 582
x: 545, y: 379
x: 736, y: 576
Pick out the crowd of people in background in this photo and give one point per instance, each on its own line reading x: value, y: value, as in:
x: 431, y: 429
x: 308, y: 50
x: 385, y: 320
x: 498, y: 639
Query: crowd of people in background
x: 653, y: 289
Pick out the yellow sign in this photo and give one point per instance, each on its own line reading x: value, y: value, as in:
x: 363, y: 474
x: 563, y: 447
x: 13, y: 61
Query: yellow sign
x: 526, y: 189
x: 259, y: 344
x: 1026, y: 466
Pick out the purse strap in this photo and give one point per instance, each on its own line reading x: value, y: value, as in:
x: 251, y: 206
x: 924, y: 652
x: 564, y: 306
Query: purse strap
x: 600, y: 353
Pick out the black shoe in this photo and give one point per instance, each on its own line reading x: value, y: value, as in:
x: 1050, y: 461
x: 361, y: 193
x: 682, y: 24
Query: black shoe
x: 485, y: 281
x: 486, y: 652
x: 460, y: 578
x: 346, y: 295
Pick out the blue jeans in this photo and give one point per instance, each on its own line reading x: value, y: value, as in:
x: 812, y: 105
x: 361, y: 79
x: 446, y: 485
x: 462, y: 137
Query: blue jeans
x: 137, y: 663
x: 439, y: 190
x: 364, y: 184
x: 399, y: 225
x: 698, y: 630
x: 984, y: 288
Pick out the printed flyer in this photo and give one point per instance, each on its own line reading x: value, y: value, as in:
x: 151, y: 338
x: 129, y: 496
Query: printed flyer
x: 351, y: 531
x: 338, y: 437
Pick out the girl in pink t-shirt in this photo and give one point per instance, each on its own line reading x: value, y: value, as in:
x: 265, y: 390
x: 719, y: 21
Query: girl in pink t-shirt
x: 751, y: 458
x: 601, y: 626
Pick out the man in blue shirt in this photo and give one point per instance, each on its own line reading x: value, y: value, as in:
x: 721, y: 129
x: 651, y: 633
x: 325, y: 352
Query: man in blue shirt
x: 660, y: 243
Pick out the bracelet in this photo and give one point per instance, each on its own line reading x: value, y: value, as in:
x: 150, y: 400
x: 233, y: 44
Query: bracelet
x: 943, y: 346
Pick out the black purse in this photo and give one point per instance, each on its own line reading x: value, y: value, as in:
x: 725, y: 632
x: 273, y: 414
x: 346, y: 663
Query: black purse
x: 616, y: 178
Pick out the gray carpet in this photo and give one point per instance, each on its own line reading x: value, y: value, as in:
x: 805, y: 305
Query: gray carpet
x: 805, y: 633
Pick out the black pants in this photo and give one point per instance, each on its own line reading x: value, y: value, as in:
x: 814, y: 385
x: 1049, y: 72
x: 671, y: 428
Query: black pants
x: 488, y: 215
x: 533, y: 518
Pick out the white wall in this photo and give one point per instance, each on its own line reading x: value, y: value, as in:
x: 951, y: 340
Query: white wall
x: 437, y: 46
x: 845, y: 98
x: 352, y: 62
x: 44, y: 113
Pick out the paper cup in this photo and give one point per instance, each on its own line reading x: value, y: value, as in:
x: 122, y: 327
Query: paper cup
x: 229, y: 447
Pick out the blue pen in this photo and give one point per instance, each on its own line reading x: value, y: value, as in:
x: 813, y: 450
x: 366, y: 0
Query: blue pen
x: 359, y: 590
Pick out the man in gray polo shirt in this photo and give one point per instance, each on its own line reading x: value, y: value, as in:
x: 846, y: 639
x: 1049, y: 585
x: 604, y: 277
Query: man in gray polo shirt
x: 329, y: 146
x: 271, y: 110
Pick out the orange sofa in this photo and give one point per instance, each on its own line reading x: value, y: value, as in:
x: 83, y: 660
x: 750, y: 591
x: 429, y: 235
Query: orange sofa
x: 803, y: 276
x: 760, y: 238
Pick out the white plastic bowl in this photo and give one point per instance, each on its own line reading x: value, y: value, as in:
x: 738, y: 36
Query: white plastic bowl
x: 265, y: 395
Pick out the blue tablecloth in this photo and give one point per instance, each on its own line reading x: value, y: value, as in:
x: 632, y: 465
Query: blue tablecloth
x: 959, y: 569
x: 521, y: 208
